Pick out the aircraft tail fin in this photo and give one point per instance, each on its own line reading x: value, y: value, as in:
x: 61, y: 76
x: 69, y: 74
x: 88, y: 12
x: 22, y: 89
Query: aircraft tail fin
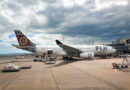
x: 24, y: 42
x: 22, y: 39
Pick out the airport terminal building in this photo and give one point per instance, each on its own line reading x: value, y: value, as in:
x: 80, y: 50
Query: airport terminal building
x: 121, y: 45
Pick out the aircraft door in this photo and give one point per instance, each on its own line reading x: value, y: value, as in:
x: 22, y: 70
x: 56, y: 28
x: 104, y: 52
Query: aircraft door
x: 50, y: 52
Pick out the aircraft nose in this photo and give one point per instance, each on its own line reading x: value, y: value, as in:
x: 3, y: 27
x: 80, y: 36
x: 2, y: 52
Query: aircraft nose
x: 114, y: 50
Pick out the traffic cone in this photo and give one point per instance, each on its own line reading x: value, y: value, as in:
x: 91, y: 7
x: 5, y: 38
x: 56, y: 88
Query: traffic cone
x: 114, y: 70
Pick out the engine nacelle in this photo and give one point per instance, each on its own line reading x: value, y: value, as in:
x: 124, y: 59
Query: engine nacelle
x: 87, y: 55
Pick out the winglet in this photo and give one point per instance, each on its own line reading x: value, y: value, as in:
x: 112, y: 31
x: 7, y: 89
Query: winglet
x: 58, y: 42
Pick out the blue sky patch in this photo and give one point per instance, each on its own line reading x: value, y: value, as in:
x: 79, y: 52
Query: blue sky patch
x: 30, y: 35
x: 13, y: 35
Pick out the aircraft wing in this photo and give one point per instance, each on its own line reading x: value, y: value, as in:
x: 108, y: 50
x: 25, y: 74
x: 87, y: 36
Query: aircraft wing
x: 68, y: 49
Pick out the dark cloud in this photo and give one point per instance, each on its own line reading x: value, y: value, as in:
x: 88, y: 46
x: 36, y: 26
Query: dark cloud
x: 76, y: 20
x: 57, y: 14
x: 49, y: 1
x: 28, y: 3
x: 107, y: 24
x: 13, y: 7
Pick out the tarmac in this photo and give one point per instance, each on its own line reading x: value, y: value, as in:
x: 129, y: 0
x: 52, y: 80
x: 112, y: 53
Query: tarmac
x: 65, y: 75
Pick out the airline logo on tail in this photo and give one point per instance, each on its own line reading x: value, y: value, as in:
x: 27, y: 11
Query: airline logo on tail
x: 22, y: 39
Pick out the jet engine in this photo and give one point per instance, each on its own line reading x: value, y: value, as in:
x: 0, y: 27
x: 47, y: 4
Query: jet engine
x: 87, y: 55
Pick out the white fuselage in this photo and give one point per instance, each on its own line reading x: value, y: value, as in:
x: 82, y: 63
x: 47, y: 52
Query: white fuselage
x: 96, y: 49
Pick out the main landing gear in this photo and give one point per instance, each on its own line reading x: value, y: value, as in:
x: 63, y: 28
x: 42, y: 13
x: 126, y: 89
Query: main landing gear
x: 67, y: 58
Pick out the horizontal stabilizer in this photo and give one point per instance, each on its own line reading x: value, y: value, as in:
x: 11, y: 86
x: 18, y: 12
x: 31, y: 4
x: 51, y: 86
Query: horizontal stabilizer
x: 27, y: 48
x: 17, y: 46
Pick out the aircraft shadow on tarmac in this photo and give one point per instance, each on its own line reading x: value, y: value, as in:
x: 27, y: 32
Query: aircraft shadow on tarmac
x: 65, y: 62
x: 62, y: 63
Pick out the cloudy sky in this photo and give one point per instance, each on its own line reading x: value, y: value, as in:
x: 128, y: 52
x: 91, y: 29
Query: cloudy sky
x: 77, y: 21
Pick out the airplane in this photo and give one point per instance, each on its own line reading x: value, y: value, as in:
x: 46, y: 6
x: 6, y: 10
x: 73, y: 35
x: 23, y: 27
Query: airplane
x: 66, y: 51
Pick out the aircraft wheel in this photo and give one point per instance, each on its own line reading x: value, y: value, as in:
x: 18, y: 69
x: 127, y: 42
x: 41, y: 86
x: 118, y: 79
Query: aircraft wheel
x: 126, y: 66
x: 65, y: 58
